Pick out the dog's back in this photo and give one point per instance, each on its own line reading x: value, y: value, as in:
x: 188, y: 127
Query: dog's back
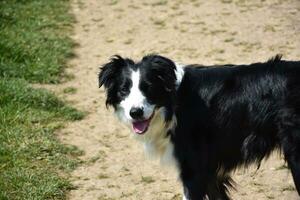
x: 234, y: 115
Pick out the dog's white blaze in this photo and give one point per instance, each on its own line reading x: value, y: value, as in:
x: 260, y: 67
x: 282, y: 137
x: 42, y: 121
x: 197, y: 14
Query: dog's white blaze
x: 179, y: 72
x: 134, y: 99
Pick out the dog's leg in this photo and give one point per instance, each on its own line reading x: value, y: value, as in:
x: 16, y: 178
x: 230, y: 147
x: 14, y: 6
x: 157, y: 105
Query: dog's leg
x: 294, y: 164
x: 290, y: 141
x: 217, y: 189
x: 194, y: 187
x: 194, y: 190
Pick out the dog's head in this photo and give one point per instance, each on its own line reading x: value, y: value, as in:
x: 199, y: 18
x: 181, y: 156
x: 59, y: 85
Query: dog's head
x: 140, y: 91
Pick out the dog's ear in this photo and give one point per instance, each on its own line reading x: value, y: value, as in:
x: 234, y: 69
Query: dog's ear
x: 162, y: 76
x: 110, y: 70
x: 164, y: 70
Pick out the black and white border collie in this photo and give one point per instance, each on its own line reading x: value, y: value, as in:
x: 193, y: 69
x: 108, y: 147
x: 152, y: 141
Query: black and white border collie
x: 208, y: 120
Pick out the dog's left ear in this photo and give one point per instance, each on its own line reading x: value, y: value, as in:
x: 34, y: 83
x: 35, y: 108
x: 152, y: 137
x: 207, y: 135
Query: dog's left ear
x: 164, y: 70
x: 110, y: 70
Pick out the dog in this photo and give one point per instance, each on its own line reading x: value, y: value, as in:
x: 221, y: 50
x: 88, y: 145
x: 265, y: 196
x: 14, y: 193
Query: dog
x: 208, y: 120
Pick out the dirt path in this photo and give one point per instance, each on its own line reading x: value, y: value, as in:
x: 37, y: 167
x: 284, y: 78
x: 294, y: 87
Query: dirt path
x: 200, y: 31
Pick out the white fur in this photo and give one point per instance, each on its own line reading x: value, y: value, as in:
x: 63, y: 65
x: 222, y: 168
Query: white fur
x: 183, y: 197
x: 155, y: 140
x: 179, y: 72
x: 134, y: 99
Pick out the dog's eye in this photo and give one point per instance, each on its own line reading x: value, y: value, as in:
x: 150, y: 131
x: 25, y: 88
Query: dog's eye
x: 123, y: 91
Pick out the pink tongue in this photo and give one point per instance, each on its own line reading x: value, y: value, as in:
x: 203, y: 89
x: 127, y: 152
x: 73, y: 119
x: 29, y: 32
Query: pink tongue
x: 141, y: 126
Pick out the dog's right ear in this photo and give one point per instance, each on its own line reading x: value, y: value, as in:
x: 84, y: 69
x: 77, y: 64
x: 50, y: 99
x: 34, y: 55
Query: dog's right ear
x: 110, y: 70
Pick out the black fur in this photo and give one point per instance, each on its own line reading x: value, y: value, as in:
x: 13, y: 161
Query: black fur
x: 227, y: 116
x: 158, y: 82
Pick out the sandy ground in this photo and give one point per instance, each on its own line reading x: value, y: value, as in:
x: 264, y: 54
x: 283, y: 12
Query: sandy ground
x: 189, y: 31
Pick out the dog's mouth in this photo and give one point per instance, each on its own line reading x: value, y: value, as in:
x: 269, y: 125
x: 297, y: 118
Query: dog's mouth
x: 140, y: 127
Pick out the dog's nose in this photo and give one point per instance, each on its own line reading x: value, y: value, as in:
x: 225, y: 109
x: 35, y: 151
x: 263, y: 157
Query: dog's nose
x: 136, y: 113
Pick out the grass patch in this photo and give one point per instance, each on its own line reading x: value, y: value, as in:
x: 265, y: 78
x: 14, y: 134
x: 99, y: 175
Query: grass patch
x: 147, y: 179
x: 30, y: 156
x: 229, y: 40
x: 158, y: 22
x: 98, y: 156
x: 289, y: 188
x: 105, y: 197
x: 128, y: 41
x: 102, y: 176
x: 70, y: 90
x: 33, y: 39
x: 281, y: 167
x: 34, y: 46
x: 226, y: 1
x: 160, y: 3
x: 113, y: 2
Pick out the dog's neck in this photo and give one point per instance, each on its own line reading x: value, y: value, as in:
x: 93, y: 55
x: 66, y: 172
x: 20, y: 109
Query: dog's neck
x: 157, y: 138
x: 157, y: 142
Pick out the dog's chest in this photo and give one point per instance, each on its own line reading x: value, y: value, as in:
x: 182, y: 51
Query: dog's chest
x: 159, y: 145
x: 163, y: 149
x: 157, y: 142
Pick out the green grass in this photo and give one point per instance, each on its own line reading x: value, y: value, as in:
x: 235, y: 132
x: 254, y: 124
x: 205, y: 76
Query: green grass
x: 30, y: 156
x: 34, y: 39
x: 147, y: 179
x: 70, y: 90
x: 34, y: 47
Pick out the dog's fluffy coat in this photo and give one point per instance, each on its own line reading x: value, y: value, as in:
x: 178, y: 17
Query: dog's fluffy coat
x: 210, y: 119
